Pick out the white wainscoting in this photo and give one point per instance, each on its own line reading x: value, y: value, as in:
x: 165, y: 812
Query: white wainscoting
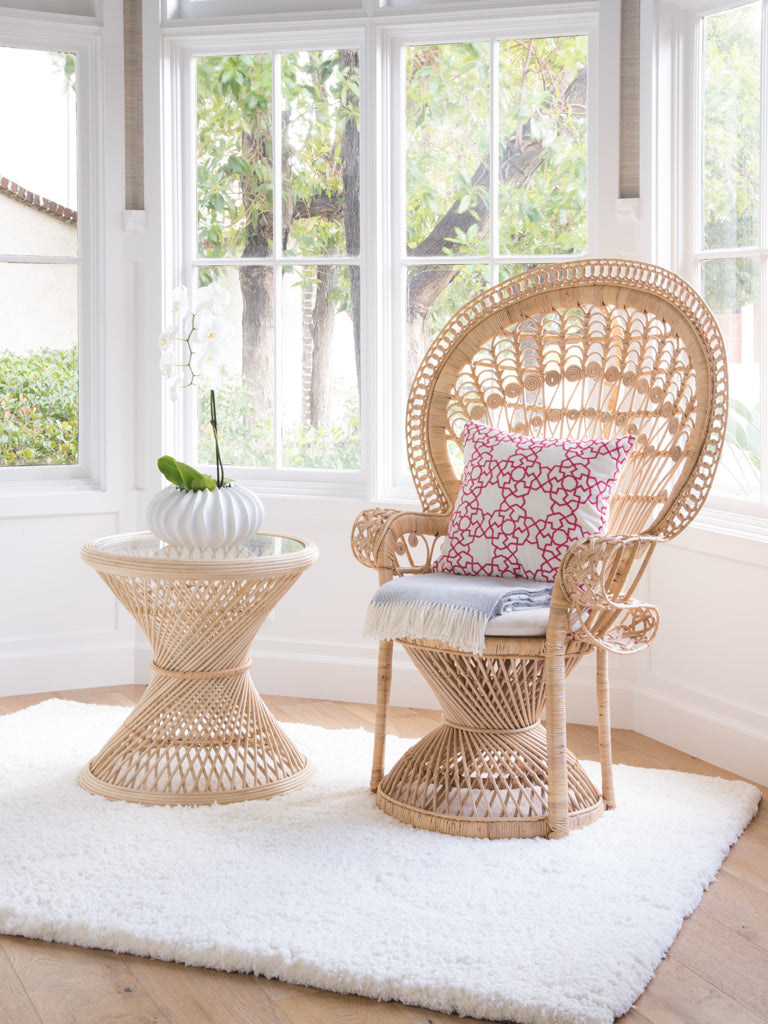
x: 61, y: 627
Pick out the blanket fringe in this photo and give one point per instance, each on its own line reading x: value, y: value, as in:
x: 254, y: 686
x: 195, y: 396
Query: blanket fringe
x: 419, y: 620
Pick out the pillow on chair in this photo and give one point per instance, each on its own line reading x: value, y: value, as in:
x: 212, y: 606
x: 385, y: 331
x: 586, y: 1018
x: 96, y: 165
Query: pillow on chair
x: 524, y: 501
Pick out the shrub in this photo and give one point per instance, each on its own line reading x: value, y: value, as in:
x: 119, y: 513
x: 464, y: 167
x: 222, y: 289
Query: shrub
x: 247, y: 440
x: 39, y: 408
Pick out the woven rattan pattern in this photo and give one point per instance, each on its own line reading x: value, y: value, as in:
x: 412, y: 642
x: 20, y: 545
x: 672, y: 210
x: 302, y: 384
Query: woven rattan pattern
x: 587, y: 349
x: 201, y: 732
x: 596, y: 348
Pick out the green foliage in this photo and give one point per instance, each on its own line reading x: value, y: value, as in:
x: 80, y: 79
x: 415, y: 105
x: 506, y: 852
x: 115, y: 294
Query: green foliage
x: 546, y: 214
x: 247, y: 440
x: 39, y: 408
x: 234, y: 145
x: 740, y: 466
x: 731, y: 105
x: 66, y: 65
x: 448, y: 116
x: 447, y: 99
x: 743, y: 430
x: 235, y: 159
x: 184, y: 476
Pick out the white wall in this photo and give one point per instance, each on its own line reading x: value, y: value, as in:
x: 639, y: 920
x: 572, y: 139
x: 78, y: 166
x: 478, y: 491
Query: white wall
x: 59, y: 627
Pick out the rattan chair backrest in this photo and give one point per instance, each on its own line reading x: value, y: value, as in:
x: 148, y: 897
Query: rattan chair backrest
x: 596, y: 348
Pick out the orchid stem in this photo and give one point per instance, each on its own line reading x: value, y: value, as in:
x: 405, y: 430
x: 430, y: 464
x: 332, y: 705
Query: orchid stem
x: 215, y: 428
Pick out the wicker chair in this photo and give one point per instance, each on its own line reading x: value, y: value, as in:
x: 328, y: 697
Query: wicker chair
x: 588, y: 349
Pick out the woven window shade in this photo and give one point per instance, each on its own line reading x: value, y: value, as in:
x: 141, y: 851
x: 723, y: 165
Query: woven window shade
x: 629, y: 130
x: 134, y: 106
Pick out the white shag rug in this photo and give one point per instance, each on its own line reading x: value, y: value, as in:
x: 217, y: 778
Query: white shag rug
x: 318, y: 887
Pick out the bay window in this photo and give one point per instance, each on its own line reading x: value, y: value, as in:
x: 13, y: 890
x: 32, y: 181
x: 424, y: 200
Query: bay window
x: 727, y: 240
x: 351, y: 188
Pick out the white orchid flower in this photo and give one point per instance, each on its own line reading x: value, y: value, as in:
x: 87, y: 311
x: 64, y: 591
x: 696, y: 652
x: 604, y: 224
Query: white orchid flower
x: 209, y: 372
x: 213, y: 335
x: 180, y: 301
x: 170, y: 373
x: 166, y: 362
x: 168, y: 339
x: 211, y: 299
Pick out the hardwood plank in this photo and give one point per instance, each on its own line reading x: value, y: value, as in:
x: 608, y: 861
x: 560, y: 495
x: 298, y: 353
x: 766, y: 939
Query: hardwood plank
x: 112, y: 695
x: 17, y: 1006
x: 739, y: 906
x: 89, y: 986
x: 9, y: 705
x: 678, y: 995
x: 196, y: 995
x: 632, y: 1016
x: 730, y: 962
x: 314, y: 1006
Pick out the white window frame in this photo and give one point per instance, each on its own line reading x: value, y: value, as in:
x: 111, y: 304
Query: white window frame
x: 679, y: 148
x: 380, y: 32
x: 85, y: 40
x: 181, y: 260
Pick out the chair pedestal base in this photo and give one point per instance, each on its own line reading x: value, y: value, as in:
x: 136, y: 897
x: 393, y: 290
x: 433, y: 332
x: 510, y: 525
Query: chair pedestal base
x: 489, y: 784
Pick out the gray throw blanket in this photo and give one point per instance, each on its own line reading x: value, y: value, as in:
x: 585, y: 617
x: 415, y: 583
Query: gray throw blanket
x: 447, y: 607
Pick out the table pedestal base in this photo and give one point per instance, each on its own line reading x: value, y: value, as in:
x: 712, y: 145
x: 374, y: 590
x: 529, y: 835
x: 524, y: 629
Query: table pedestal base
x: 197, y: 738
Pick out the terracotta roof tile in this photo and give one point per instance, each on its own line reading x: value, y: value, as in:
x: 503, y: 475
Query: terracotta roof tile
x: 23, y: 195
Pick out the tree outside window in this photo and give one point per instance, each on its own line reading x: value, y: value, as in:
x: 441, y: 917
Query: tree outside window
x: 732, y: 250
x: 494, y: 181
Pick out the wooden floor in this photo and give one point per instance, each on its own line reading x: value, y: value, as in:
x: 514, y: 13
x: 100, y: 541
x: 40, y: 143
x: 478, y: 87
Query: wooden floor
x: 716, y: 971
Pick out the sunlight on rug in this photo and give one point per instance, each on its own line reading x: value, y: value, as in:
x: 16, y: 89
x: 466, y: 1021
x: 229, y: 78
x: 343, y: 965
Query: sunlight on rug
x: 318, y: 887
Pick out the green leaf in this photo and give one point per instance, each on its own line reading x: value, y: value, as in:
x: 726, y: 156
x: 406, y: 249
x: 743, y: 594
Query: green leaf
x: 186, y: 477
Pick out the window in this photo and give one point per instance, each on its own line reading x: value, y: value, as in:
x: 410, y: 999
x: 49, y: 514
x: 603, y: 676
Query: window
x: 351, y: 189
x: 52, y: 265
x: 39, y: 265
x: 291, y: 392
x: 730, y: 243
x: 495, y: 169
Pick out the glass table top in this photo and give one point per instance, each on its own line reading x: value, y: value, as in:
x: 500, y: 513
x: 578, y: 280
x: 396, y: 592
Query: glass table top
x: 146, y: 545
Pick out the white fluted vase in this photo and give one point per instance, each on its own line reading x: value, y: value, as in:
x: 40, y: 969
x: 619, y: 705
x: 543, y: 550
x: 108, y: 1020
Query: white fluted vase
x: 205, y: 522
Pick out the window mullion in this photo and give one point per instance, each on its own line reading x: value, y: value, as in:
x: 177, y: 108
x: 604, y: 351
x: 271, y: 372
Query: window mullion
x: 493, y: 168
x: 277, y: 254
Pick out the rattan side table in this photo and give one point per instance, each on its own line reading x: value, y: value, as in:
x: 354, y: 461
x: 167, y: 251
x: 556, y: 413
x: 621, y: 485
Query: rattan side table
x: 200, y: 733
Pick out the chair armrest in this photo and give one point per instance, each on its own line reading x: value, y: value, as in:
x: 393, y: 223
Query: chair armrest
x: 397, y: 542
x: 597, y: 578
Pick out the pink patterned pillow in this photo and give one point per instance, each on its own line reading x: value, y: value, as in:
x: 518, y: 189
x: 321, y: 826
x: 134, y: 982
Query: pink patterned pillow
x: 524, y: 501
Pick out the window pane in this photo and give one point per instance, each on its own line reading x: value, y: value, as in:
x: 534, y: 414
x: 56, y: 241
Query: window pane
x: 234, y: 150
x: 731, y: 289
x: 543, y: 146
x: 39, y: 365
x: 245, y: 398
x: 321, y: 398
x: 731, y: 127
x: 38, y: 153
x: 448, y: 149
x: 321, y: 152
x: 435, y: 293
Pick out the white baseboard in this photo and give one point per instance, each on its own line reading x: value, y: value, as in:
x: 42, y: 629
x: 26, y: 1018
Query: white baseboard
x: 729, y: 735
x: 66, y: 668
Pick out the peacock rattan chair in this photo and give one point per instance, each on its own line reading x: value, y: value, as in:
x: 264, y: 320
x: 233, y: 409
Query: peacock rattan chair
x: 590, y: 349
